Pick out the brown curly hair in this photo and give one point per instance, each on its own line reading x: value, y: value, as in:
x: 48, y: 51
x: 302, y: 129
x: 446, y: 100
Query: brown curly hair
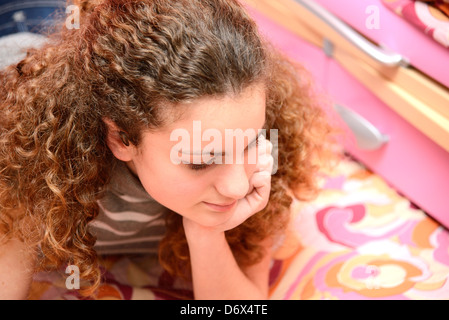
x: 126, y: 59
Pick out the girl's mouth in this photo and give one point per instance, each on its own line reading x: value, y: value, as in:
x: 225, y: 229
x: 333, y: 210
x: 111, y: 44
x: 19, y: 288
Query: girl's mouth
x: 220, y: 208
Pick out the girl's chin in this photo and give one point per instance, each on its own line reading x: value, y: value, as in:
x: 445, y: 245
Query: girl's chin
x: 206, y: 217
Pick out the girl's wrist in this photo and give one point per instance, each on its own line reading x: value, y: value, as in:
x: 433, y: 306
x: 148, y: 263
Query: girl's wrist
x: 196, y: 233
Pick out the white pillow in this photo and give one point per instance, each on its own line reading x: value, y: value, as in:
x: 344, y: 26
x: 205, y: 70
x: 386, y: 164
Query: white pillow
x: 13, y: 47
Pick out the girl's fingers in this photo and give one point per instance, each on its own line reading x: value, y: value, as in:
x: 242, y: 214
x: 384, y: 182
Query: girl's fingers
x: 261, y: 182
x: 265, y: 148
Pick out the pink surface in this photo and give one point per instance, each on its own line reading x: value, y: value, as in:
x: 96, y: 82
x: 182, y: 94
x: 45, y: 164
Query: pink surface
x: 420, y: 14
x: 410, y: 162
x: 396, y: 34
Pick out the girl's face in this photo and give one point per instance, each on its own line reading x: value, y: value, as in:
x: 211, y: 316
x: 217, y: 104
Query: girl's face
x: 196, y: 191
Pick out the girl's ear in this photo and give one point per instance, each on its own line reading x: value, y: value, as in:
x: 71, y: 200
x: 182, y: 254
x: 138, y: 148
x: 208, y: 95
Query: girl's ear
x: 118, y: 142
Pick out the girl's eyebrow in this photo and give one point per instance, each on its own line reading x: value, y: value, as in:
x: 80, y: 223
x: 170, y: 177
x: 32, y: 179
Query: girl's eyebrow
x: 199, y: 153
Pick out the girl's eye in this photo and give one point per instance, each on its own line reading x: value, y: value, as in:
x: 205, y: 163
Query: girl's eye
x: 203, y: 166
x: 198, y: 167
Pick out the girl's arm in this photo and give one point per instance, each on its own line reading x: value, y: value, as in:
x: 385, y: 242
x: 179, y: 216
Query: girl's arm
x: 16, y: 270
x: 216, y: 274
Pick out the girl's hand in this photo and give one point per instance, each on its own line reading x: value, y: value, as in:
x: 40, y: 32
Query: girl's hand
x: 259, y: 191
x: 260, y: 186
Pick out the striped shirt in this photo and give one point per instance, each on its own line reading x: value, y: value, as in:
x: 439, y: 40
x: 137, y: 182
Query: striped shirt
x: 130, y: 220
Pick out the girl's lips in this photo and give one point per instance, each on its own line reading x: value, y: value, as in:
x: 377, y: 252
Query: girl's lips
x: 220, y: 208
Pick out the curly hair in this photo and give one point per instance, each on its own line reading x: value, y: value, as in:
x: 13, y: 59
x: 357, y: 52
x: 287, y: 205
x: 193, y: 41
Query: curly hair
x: 127, y: 58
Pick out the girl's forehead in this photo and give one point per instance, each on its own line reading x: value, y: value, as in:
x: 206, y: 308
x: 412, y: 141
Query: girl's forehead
x: 234, y: 110
x: 198, y: 122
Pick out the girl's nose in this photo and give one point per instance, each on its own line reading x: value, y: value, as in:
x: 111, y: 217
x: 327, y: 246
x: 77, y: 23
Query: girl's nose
x: 233, y: 181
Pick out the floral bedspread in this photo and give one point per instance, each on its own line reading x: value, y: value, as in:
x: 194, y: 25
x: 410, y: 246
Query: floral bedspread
x: 362, y: 240
x: 359, y: 239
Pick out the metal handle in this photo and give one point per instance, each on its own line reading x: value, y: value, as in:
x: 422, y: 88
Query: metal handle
x: 379, y: 54
x: 368, y: 136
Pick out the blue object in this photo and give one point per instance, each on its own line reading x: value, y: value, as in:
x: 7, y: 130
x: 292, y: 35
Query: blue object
x: 36, y: 16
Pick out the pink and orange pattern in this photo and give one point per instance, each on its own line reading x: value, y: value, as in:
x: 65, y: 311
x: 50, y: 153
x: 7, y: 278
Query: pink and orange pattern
x: 432, y: 17
x: 358, y: 240
x: 361, y: 240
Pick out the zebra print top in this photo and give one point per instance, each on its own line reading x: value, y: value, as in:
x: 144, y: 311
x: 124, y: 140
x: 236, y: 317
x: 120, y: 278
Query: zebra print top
x: 130, y: 220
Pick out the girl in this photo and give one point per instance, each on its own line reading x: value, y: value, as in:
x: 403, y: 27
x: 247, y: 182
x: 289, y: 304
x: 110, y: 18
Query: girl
x: 86, y: 138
